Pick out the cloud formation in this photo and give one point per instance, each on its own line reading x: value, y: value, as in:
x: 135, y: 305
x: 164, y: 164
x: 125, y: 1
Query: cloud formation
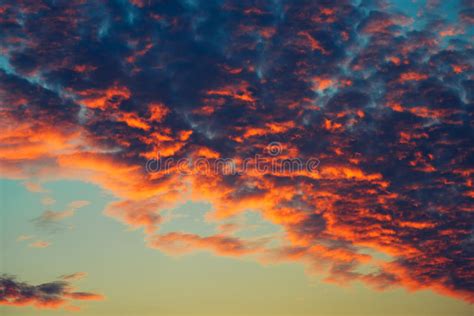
x: 40, y: 244
x: 51, y: 220
x: 51, y: 295
x: 73, y: 276
x: 92, y: 90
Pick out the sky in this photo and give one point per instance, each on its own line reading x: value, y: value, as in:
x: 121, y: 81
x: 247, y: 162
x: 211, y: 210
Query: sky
x: 256, y: 158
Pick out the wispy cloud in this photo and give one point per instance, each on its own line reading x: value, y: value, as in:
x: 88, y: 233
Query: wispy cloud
x: 40, y: 244
x: 74, y: 276
x: 24, y: 237
x: 48, y: 201
x: 34, y: 187
x: 51, y: 220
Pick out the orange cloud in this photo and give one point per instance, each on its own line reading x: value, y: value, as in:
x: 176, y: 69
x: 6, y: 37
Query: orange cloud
x: 412, y: 76
x: 52, y: 295
x: 313, y: 43
x: 180, y: 243
x: 40, y: 244
x: 238, y: 91
x: 103, y: 99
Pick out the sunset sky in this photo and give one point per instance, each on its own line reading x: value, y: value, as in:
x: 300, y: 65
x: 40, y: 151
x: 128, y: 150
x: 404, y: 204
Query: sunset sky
x: 373, y: 98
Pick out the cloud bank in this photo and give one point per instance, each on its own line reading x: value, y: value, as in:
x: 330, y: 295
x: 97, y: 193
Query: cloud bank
x: 384, y: 99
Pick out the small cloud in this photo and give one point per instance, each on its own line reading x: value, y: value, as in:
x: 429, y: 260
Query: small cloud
x: 51, y: 295
x: 228, y: 228
x: 48, y: 201
x: 34, y: 187
x: 51, y: 220
x: 85, y: 296
x: 78, y: 204
x: 73, y: 276
x: 40, y: 244
x: 23, y: 238
x: 56, y: 216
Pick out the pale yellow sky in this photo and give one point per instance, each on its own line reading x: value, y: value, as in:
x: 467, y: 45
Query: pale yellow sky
x: 137, y: 280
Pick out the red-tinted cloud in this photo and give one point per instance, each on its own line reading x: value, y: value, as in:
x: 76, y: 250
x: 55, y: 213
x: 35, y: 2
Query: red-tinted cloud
x: 383, y: 101
x: 51, y: 295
